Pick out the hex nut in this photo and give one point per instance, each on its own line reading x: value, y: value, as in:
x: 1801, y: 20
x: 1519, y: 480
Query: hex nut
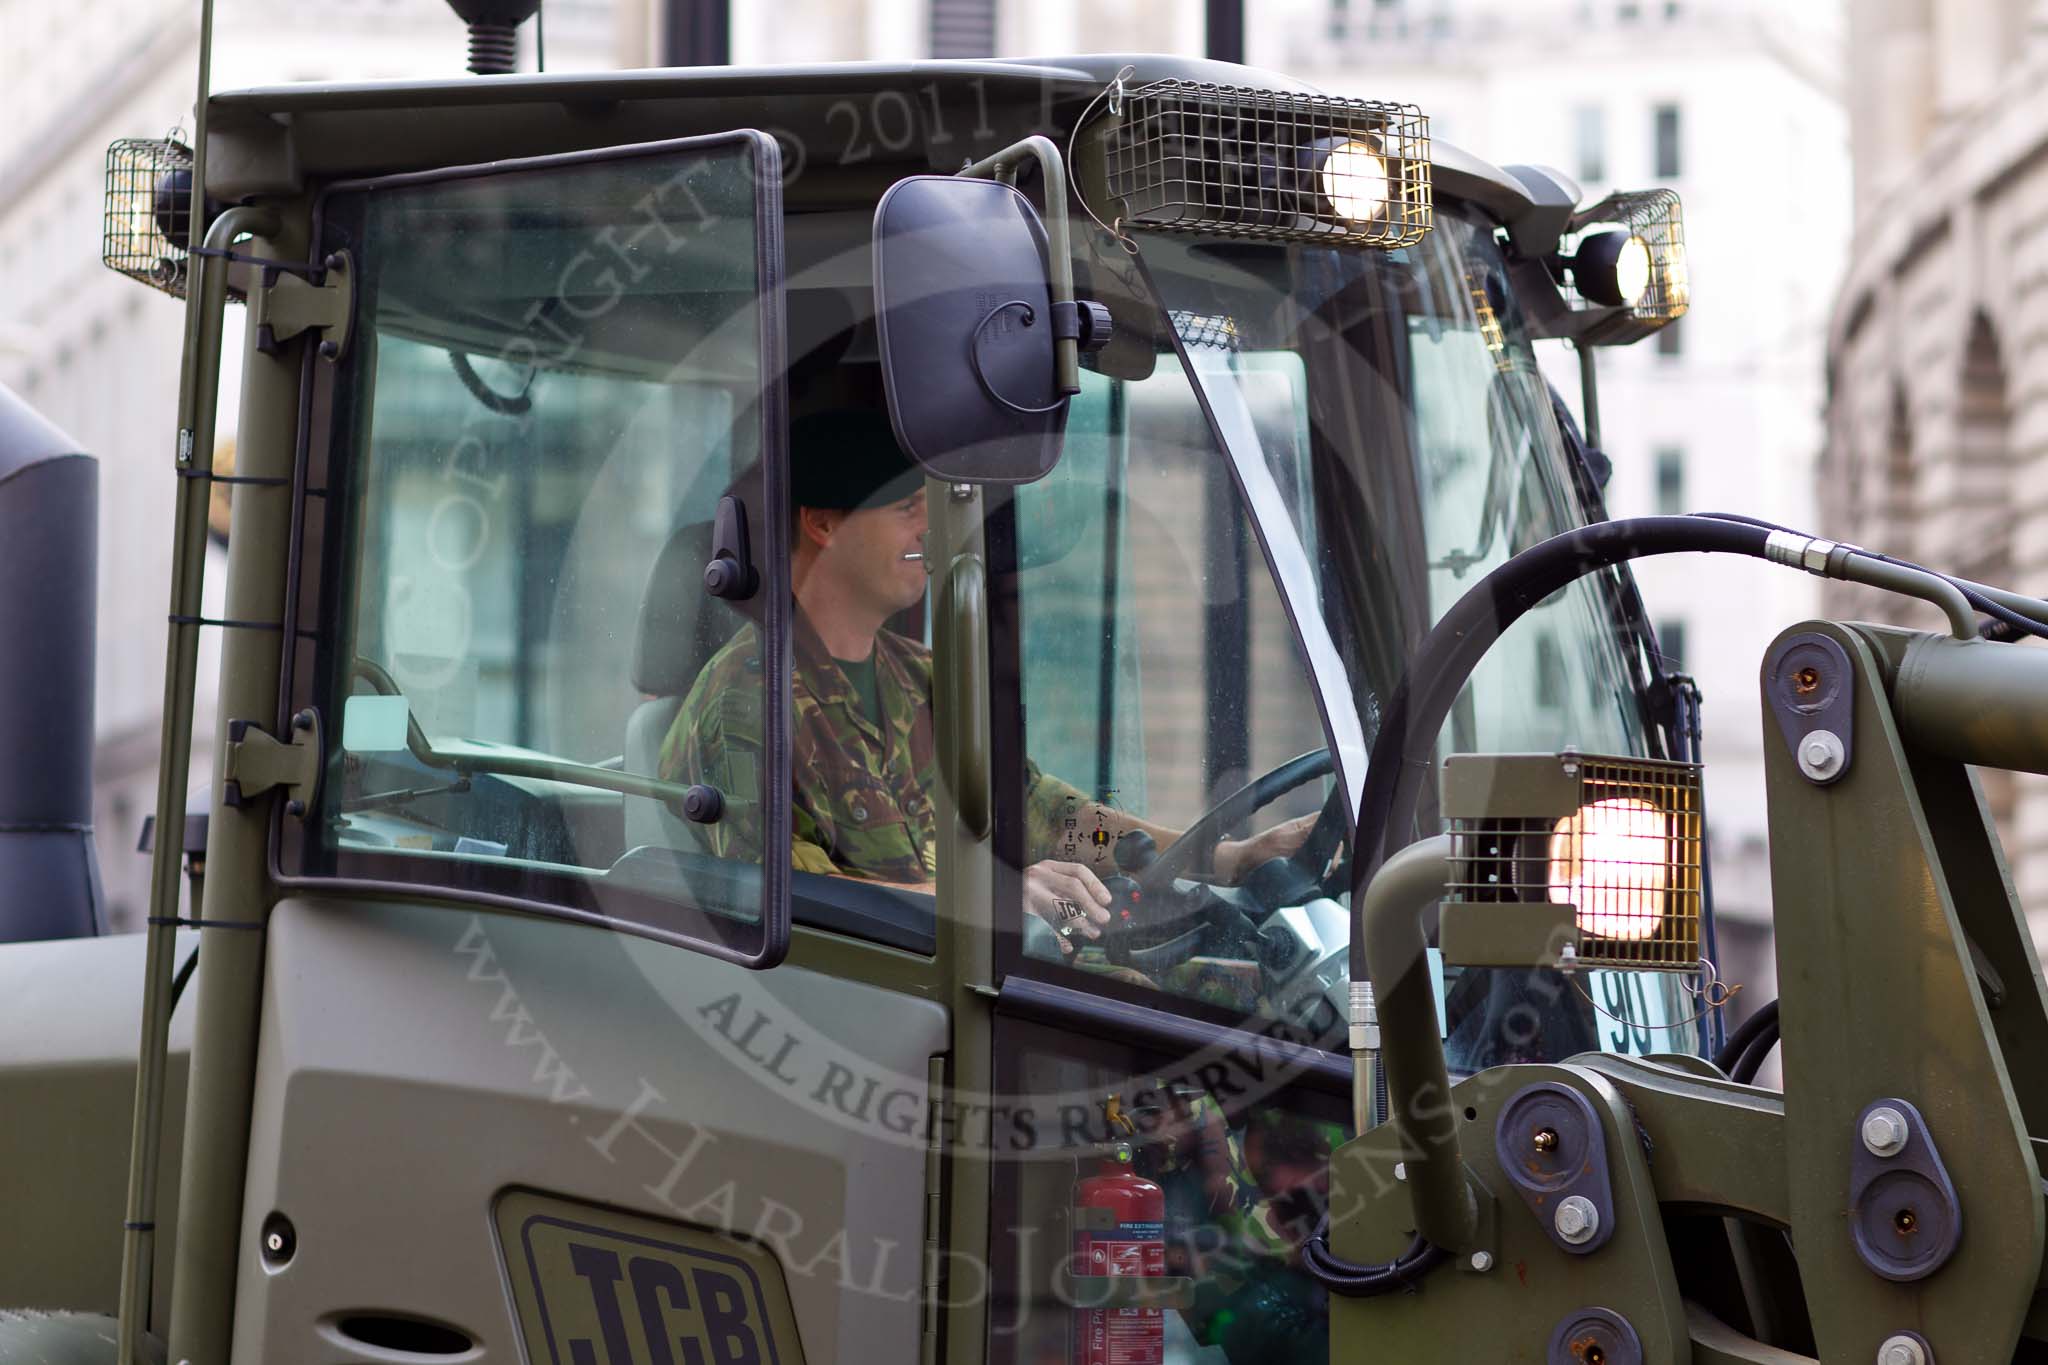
x: 1576, y: 1220
x: 1902, y: 1350
x: 1885, y: 1131
x: 1821, y: 755
x: 1482, y: 1261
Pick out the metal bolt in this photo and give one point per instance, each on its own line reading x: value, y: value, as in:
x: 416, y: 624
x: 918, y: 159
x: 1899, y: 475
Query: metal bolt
x: 1902, y: 1350
x: 1482, y: 1261
x: 1821, y: 755
x: 1577, y: 1220
x: 1400, y: 1170
x: 1885, y: 1131
x: 1545, y: 1140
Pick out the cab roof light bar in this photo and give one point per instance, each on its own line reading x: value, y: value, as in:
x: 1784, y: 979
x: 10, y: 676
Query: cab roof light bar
x: 1190, y: 156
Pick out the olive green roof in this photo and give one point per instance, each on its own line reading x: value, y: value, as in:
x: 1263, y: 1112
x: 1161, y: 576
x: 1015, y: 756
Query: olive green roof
x: 276, y: 140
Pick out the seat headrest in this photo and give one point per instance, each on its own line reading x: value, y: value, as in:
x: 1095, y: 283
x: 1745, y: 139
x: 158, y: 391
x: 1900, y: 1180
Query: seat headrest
x: 681, y: 625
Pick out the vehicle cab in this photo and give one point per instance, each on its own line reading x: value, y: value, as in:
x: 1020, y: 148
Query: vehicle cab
x: 583, y: 1037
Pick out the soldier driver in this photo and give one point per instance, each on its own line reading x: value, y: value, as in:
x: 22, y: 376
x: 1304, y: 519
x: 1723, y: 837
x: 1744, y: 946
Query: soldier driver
x: 863, y: 755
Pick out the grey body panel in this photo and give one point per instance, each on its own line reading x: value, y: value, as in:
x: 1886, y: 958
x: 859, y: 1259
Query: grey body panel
x: 37, y: 1338
x: 69, y: 1017
x: 49, y: 572
x: 417, y: 1063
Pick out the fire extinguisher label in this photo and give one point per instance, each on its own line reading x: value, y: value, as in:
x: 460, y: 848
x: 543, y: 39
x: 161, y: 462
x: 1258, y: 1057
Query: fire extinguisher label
x: 1121, y: 1336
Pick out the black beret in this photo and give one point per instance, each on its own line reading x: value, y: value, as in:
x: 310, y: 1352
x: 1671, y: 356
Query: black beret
x: 848, y: 459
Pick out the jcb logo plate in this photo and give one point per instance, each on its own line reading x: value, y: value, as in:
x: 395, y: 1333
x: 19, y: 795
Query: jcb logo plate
x: 599, y: 1287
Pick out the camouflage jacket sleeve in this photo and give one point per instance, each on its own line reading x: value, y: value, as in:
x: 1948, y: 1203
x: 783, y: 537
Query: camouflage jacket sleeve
x: 1048, y: 803
x: 716, y: 739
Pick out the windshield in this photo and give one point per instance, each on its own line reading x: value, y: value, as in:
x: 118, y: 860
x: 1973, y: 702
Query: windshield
x: 1393, y: 436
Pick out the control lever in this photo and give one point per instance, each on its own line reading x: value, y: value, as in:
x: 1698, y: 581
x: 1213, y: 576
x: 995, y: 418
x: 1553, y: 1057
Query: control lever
x: 731, y: 574
x: 1135, y: 851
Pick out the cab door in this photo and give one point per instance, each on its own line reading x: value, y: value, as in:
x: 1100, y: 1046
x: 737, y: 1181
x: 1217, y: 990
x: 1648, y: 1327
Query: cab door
x: 1158, y: 672
x: 533, y: 1078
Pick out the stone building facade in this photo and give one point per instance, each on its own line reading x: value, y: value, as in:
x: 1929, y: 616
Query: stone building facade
x: 1937, y: 406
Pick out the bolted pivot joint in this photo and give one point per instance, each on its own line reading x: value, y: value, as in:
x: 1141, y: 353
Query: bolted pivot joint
x: 1821, y: 755
x: 1884, y: 1131
x: 1577, y: 1220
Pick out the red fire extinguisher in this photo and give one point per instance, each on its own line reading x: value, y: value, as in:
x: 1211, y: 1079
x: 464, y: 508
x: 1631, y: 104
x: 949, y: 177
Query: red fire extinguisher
x: 1119, y: 1229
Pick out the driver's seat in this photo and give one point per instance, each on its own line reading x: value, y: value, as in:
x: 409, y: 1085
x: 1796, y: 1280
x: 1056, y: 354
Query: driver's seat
x: 680, y: 627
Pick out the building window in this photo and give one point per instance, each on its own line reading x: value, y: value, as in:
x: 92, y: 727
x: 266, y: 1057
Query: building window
x: 1667, y: 142
x: 1591, y: 129
x: 1670, y: 482
x: 1670, y: 341
x: 963, y: 28
x: 1671, y: 644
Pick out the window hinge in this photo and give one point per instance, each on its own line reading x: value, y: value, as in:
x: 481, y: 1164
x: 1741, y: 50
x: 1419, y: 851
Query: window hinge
x: 284, y: 304
x: 255, y: 762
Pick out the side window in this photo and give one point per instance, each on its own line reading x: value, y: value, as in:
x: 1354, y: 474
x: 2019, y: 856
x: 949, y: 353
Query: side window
x: 1160, y: 676
x: 554, y: 410
x: 1240, y: 1166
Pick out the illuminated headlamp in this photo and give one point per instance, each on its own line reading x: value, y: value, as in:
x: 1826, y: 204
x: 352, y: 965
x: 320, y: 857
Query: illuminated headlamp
x: 147, y: 224
x: 1612, y: 268
x: 1556, y: 851
x: 1627, y: 252
x: 1240, y: 162
x: 1351, y: 177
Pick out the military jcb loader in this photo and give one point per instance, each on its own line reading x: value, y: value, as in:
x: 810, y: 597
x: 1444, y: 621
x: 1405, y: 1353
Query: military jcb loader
x: 492, y: 1033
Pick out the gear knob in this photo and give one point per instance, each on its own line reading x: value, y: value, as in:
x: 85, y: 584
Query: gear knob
x: 1135, y: 850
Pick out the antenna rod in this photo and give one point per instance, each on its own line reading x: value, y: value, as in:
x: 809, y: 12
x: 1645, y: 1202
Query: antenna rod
x: 188, y: 570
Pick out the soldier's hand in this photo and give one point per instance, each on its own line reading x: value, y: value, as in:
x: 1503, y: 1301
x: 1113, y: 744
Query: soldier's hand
x: 1235, y: 857
x: 1069, y: 897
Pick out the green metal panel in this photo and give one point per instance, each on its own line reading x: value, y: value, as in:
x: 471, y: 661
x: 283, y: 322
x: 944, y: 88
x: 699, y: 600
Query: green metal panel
x: 1880, y: 1001
x: 1507, y: 1312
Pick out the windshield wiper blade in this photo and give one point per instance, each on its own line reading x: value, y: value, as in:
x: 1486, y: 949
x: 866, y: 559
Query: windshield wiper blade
x: 384, y: 800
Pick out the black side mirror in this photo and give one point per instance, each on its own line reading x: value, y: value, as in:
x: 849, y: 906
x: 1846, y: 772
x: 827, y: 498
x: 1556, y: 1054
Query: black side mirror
x: 968, y: 329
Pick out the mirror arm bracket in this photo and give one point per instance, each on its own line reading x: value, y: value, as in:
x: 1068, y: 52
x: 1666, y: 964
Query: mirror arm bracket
x: 1003, y: 167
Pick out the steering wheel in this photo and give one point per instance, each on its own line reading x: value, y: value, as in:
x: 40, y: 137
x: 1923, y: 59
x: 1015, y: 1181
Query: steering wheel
x: 1201, y: 837
x: 1160, y: 928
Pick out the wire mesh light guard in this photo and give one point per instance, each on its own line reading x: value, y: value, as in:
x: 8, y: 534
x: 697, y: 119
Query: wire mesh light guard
x: 144, y: 195
x: 1195, y: 157
x: 1657, y: 220
x: 1620, y: 840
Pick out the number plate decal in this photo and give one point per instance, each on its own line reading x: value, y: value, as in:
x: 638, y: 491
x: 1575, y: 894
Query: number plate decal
x: 599, y: 1286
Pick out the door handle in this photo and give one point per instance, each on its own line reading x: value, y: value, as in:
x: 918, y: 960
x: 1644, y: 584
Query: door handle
x: 966, y: 691
x: 730, y: 573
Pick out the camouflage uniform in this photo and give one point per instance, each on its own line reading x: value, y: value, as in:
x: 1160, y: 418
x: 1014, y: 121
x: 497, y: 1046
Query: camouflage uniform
x: 1223, y: 1230
x: 862, y: 802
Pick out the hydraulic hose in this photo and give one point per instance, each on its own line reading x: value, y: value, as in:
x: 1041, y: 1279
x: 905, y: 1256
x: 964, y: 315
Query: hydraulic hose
x: 1382, y: 934
x: 1366, y: 1281
x: 2018, y: 613
x: 1403, y: 751
x: 1764, y: 1021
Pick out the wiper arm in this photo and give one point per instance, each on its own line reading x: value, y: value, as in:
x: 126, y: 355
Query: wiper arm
x: 603, y: 776
x: 384, y: 800
x: 559, y: 770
